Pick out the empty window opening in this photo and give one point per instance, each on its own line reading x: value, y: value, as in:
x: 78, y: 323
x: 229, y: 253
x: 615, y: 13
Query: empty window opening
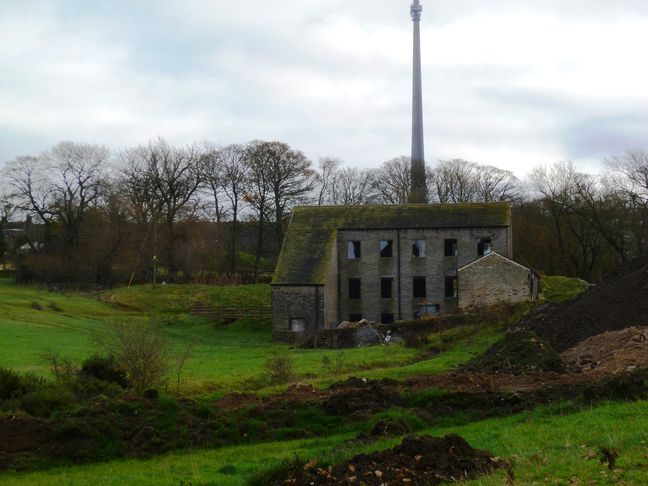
x: 451, y: 287
x: 386, y: 248
x: 418, y: 287
x: 386, y: 286
x: 298, y: 324
x: 355, y: 288
x: 427, y: 310
x: 450, y: 248
x: 418, y: 248
x: 354, y: 250
x: 484, y: 247
x: 387, y: 318
x: 355, y: 317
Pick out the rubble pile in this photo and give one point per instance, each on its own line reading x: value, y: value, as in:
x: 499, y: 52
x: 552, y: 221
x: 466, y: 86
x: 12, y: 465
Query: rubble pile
x: 611, y: 352
x: 417, y: 461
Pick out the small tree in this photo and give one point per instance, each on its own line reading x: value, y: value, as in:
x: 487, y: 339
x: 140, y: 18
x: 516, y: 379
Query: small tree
x: 140, y: 349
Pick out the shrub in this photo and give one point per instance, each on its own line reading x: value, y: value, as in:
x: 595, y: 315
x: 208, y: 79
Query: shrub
x: 336, y: 366
x: 10, y: 383
x: 140, y: 349
x: 63, y: 369
x: 89, y: 387
x: 47, y: 400
x: 104, y: 368
x: 14, y: 385
x: 279, y: 370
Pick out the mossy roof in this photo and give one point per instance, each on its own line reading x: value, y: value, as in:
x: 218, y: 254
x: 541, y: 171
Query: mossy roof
x: 312, y: 232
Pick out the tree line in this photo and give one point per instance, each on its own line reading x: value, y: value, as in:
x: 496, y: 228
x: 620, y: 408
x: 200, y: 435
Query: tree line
x: 218, y: 213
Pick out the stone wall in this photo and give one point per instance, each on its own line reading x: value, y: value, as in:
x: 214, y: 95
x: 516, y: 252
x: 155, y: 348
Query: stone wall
x: 403, y: 266
x: 297, y: 302
x: 495, y: 279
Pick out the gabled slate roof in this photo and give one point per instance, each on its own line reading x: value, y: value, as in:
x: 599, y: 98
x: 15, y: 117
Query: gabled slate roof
x: 313, y: 230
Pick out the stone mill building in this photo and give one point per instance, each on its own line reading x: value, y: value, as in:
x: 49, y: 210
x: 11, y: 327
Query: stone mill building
x: 389, y: 263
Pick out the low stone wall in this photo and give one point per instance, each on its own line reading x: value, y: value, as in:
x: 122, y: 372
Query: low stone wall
x: 324, y: 339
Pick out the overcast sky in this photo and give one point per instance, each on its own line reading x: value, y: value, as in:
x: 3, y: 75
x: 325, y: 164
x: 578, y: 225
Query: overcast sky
x: 514, y: 83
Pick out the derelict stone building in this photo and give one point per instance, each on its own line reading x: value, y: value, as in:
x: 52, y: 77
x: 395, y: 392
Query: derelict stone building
x: 380, y: 263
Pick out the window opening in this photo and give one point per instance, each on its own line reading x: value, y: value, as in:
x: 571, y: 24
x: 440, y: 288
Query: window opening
x: 386, y: 248
x: 355, y: 288
x: 427, y: 310
x: 418, y: 286
x: 484, y: 247
x: 450, y: 248
x: 387, y: 318
x: 386, y: 286
x: 355, y: 317
x: 354, y: 250
x: 451, y: 286
x: 298, y: 324
x: 418, y: 248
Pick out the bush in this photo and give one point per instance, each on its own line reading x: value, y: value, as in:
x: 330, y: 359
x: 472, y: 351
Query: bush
x: 140, y: 349
x: 14, y: 385
x: 104, y: 368
x: 47, y: 400
x: 85, y: 387
x: 336, y: 366
x: 279, y: 370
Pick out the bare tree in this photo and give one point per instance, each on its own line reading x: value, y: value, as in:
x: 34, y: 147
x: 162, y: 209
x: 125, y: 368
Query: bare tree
x: 291, y: 178
x: 163, y: 180
x: 392, y: 182
x: 234, y: 182
x: 29, y: 189
x: 258, y: 192
x: 328, y: 166
x: 59, y: 186
x: 494, y: 185
x: 352, y: 187
x: 577, y: 237
x: 626, y: 181
x: 211, y: 172
x: 454, y: 181
x: 78, y: 172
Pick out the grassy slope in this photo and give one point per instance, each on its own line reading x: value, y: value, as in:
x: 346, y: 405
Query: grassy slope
x: 559, y: 289
x: 547, y: 448
x: 224, y: 358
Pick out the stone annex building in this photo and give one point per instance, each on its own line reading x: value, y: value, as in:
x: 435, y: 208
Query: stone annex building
x: 389, y: 263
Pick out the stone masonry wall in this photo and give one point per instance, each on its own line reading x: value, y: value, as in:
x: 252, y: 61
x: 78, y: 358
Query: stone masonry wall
x: 434, y: 266
x: 494, y: 279
x: 303, y: 302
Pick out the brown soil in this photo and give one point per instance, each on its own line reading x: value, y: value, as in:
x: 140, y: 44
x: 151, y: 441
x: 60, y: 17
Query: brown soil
x: 356, y: 396
x: 611, y: 352
x: 416, y: 461
x: 21, y: 433
x: 621, y: 301
x: 519, y: 352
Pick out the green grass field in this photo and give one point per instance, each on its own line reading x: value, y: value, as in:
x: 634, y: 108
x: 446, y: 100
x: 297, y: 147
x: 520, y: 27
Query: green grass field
x: 34, y: 322
x: 546, y: 448
x: 548, y: 445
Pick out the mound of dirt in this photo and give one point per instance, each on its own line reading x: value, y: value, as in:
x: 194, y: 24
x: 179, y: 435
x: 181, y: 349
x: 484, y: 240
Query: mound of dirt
x: 368, y: 397
x: 416, y: 461
x: 611, y: 352
x: 518, y: 353
x: 21, y: 433
x: 621, y: 301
